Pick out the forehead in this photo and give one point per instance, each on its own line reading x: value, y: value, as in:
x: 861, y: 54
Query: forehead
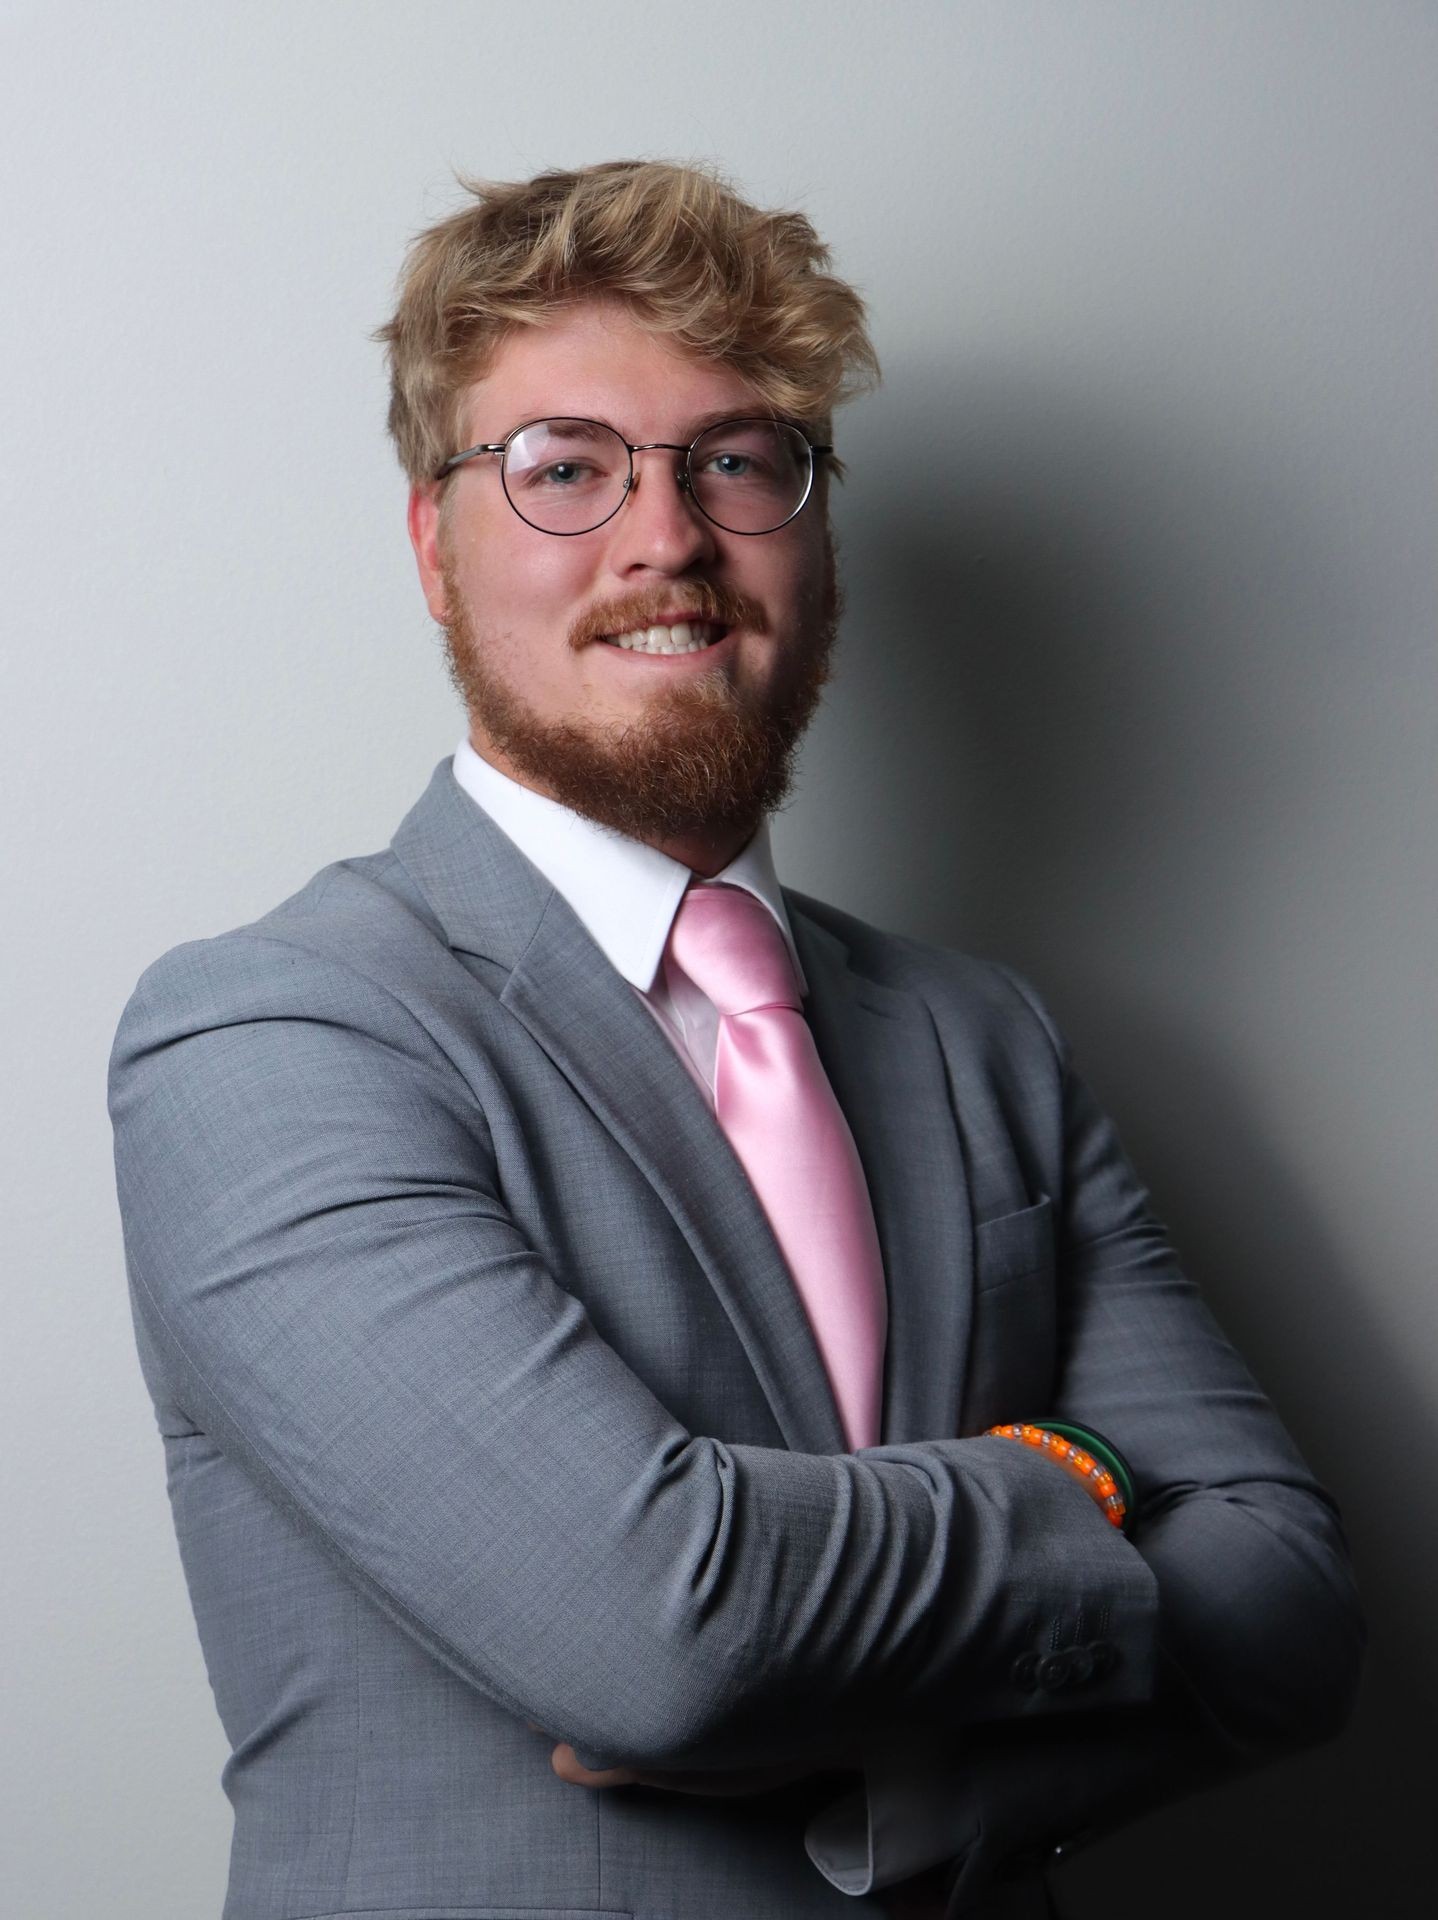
x: 594, y: 360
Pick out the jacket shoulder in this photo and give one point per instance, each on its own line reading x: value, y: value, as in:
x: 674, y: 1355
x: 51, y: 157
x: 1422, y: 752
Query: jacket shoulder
x: 345, y: 945
x: 982, y: 993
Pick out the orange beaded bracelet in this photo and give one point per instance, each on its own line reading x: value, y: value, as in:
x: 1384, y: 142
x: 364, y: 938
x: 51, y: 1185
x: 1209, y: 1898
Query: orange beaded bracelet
x: 1095, y: 1476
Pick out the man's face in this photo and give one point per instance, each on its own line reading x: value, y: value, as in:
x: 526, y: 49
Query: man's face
x: 666, y: 748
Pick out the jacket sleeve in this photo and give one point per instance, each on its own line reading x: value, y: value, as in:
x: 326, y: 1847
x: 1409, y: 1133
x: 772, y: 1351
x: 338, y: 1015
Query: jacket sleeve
x: 321, y: 1261
x: 999, y: 1802
x: 1260, y: 1632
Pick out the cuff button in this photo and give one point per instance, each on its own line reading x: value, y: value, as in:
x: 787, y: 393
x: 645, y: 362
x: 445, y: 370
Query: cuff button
x: 1105, y: 1657
x: 1025, y: 1671
x: 1055, y: 1671
x: 1082, y: 1665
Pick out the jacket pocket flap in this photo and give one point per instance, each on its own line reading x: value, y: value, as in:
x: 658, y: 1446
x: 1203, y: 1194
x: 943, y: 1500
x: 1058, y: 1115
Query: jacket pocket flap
x: 1013, y: 1244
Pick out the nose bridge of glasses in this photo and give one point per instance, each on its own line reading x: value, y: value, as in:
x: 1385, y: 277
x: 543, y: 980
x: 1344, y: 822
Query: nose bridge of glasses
x: 681, y: 467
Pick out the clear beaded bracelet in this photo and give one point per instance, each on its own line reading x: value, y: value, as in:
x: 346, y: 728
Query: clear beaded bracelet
x: 1087, y: 1457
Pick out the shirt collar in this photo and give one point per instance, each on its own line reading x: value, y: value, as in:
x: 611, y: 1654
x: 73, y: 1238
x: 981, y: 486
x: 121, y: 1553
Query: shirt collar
x: 625, y: 893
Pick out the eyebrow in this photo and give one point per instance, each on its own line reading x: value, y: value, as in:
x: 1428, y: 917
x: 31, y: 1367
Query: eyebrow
x: 703, y: 420
x: 589, y: 429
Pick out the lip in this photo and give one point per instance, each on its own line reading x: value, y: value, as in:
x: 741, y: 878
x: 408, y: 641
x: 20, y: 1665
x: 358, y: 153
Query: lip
x: 672, y: 620
x: 702, y: 657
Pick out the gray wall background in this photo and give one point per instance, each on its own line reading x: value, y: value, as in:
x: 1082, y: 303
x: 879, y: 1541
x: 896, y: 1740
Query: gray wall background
x: 1138, y: 693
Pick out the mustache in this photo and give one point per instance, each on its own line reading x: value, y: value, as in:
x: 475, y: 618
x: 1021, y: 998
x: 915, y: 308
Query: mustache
x: 695, y: 600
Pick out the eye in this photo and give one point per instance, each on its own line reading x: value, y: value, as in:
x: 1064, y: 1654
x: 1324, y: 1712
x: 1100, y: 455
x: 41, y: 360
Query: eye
x: 732, y: 466
x: 561, y: 473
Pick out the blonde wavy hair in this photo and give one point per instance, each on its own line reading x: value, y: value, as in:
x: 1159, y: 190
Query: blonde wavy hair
x: 692, y: 260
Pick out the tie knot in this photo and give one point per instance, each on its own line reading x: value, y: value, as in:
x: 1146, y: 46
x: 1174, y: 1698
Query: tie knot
x: 731, y: 947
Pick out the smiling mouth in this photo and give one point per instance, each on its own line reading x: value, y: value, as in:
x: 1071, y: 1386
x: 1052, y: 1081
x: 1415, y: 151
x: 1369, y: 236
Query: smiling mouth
x: 679, y: 636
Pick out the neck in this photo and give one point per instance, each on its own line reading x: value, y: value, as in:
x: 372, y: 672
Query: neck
x: 707, y: 852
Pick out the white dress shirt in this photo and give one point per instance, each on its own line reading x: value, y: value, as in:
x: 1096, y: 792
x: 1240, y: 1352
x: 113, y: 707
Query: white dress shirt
x: 626, y: 894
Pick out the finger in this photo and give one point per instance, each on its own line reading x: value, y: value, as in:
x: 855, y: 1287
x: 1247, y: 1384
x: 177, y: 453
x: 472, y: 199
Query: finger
x: 566, y: 1764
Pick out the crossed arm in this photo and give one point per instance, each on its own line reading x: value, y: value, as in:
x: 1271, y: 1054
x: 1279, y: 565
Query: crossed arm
x: 318, y: 1247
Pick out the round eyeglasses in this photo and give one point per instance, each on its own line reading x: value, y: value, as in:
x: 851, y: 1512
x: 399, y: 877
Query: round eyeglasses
x: 569, y: 476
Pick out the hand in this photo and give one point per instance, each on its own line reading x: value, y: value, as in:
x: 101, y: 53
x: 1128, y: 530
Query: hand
x: 731, y: 1781
x: 923, y: 1897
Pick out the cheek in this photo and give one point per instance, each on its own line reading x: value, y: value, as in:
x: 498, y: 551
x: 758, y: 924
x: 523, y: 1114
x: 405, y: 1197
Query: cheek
x: 794, y: 580
x: 548, y: 572
x: 515, y: 584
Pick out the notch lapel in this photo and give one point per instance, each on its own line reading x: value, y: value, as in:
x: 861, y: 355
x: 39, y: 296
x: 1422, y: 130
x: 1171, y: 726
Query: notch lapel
x: 884, y: 1061
x: 493, y: 902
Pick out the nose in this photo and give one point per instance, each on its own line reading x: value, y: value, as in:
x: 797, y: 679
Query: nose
x: 659, y: 528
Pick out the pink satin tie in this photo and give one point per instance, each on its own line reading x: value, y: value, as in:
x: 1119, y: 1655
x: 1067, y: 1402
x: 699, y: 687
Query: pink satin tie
x: 775, y: 1104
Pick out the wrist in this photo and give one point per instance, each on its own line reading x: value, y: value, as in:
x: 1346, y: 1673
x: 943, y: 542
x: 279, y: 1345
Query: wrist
x: 1085, y: 1456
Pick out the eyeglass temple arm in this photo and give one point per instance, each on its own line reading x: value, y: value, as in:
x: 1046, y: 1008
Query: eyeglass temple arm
x: 458, y: 459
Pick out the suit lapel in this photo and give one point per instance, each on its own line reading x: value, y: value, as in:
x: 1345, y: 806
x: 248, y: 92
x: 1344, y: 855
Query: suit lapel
x: 590, y: 1023
x: 881, y: 1053
x: 493, y: 902
x: 883, y: 1058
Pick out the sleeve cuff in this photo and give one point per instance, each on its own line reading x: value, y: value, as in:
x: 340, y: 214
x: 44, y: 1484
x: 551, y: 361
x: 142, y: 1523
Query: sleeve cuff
x: 909, y: 1815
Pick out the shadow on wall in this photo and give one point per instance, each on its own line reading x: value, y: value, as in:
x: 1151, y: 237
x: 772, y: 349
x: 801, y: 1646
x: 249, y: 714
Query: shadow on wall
x: 1068, y: 729
x: 1075, y: 663
x: 1344, y: 1830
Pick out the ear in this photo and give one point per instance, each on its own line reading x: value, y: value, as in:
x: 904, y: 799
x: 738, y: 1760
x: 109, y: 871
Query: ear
x: 424, y: 537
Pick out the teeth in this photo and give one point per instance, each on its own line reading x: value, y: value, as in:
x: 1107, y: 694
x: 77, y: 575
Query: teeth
x: 682, y: 637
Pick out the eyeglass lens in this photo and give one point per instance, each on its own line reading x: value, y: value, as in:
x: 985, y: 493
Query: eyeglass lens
x: 568, y: 476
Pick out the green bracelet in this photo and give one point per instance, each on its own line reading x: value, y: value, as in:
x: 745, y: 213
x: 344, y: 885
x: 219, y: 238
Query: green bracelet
x: 1102, y: 1450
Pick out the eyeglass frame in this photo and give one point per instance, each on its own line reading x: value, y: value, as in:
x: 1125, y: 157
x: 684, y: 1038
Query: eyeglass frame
x: 501, y: 447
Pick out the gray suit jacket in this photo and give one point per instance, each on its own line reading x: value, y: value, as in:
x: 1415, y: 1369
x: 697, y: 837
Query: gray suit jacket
x: 487, y: 1399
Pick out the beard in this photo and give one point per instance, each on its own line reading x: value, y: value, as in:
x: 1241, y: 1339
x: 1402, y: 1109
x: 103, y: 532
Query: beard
x: 705, y: 754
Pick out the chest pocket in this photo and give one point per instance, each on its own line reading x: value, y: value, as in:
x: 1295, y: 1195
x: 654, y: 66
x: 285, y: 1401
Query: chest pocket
x: 1012, y: 1351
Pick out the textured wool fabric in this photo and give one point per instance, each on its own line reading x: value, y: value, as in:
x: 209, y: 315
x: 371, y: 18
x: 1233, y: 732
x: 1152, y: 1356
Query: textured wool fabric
x: 488, y: 1405
x: 777, y: 1108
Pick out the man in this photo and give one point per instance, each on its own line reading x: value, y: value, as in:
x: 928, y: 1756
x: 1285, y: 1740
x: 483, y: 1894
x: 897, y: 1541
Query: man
x: 577, y: 1276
